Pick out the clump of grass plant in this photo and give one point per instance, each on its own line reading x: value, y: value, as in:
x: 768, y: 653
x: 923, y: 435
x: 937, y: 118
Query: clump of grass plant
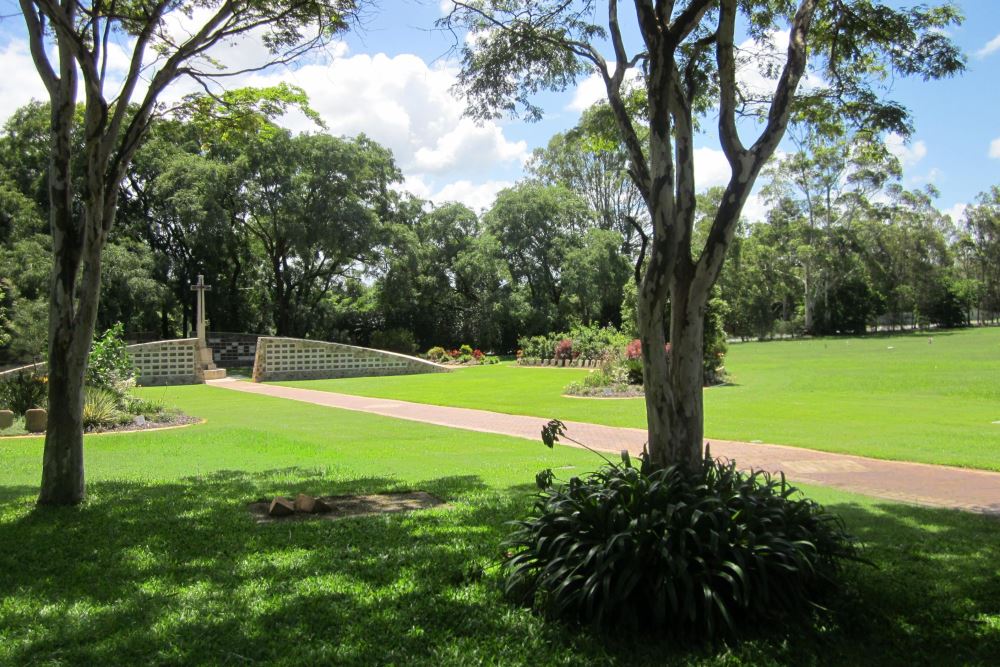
x: 687, y: 553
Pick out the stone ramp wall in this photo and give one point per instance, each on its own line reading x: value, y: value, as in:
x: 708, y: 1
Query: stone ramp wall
x: 297, y: 359
x: 161, y: 363
x: 167, y: 362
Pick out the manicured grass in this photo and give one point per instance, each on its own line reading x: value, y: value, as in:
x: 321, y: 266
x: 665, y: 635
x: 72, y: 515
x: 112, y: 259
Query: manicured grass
x: 899, y: 397
x: 163, y: 565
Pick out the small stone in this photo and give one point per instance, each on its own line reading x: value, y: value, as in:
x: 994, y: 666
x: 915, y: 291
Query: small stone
x: 281, y: 507
x: 6, y: 419
x: 305, y: 504
x: 36, y: 420
x: 139, y: 420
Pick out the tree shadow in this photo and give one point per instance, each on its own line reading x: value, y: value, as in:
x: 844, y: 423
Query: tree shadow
x: 180, y: 573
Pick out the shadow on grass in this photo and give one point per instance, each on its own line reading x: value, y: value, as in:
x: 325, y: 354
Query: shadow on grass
x: 179, y: 573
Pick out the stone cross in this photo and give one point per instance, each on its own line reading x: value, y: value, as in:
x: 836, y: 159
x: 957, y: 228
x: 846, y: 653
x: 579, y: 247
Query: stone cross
x: 200, y: 287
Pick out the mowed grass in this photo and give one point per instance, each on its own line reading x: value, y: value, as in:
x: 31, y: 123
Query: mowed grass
x: 915, y: 397
x: 163, y: 565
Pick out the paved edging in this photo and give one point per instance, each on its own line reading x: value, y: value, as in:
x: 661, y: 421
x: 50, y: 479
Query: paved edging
x: 919, y: 483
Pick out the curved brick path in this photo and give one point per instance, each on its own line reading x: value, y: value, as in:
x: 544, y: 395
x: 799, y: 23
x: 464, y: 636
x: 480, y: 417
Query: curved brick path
x: 940, y: 486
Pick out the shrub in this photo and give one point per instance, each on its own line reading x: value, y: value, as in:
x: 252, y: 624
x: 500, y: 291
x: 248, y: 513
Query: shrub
x: 394, y: 340
x: 100, y: 408
x: 23, y: 391
x: 110, y: 365
x: 489, y: 360
x: 675, y: 552
x: 592, y: 342
x: 151, y: 410
x: 437, y: 354
x: 564, y: 349
x: 466, y: 350
x: 536, y: 347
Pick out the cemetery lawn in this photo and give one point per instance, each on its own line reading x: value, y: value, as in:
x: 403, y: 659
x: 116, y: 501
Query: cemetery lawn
x: 163, y: 565
x: 892, y: 397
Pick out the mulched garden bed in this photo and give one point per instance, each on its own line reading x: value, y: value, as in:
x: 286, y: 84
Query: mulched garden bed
x: 341, y: 507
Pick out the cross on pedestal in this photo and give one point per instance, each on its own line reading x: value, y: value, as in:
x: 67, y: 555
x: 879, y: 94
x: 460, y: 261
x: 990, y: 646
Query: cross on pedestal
x: 200, y: 287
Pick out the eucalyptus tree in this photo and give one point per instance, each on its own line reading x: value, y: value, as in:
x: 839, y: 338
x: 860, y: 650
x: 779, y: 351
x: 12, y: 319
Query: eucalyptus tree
x: 591, y: 160
x: 72, y: 44
x: 982, y: 225
x: 690, y: 63
x: 831, y: 180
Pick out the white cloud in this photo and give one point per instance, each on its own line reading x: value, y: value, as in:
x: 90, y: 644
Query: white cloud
x: 592, y: 89
x: 711, y: 168
x: 995, y: 148
x: 907, y: 154
x: 991, y: 46
x: 759, y: 65
x: 956, y: 212
x: 755, y: 210
x: 477, y: 196
x: 20, y: 83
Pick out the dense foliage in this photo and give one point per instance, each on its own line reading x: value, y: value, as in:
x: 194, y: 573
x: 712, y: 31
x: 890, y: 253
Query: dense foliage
x: 391, y: 271
x: 691, y: 554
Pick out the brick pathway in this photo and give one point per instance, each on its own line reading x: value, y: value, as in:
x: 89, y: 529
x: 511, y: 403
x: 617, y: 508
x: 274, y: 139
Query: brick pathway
x: 939, y: 486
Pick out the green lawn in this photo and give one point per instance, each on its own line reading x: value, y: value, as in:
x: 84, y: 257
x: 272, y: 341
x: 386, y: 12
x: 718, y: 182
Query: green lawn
x: 164, y: 566
x: 899, y: 397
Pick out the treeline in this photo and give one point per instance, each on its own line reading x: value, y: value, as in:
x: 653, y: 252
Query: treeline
x: 311, y: 235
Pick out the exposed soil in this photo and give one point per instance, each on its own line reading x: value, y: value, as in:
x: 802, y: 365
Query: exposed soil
x: 348, y: 506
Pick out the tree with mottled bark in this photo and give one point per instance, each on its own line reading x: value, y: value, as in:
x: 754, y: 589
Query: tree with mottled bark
x: 692, y: 65
x: 72, y: 43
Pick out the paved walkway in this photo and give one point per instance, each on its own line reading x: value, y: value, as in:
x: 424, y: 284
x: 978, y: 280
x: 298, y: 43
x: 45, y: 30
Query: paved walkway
x: 939, y: 486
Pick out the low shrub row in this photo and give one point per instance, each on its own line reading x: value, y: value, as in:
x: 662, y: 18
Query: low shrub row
x: 465, y: 355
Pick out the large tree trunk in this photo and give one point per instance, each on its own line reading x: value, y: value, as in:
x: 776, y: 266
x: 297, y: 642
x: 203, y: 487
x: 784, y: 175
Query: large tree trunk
x: 72, y: 316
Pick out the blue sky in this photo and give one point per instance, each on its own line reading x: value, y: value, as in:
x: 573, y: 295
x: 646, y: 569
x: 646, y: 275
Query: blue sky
x: 392, y: 79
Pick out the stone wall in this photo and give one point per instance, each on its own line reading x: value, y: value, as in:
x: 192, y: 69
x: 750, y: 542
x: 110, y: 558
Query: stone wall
x: 160, y: 363
x: 232, y: 350
x: 166, y: 362
x: 297, y: 359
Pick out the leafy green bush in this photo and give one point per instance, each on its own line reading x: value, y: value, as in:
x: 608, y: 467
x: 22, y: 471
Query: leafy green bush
x: 466, y: 350
x: 23, y: 391
x: 150, y: 409
x: 692, y: 554
x: 100, y: 408
x: 110, y: 365
x: 437, y: 354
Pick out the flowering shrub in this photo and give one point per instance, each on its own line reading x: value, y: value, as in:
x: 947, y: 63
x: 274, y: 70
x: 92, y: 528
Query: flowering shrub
x: 564, y: 349
x: 464, y: 354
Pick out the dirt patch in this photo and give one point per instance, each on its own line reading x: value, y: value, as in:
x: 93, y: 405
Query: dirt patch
x: 348, y: 506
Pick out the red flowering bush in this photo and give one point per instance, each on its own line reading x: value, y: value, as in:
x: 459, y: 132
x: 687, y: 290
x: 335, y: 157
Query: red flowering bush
x: 564, y: 349
x: 477, y: 354
x: 634, y: 349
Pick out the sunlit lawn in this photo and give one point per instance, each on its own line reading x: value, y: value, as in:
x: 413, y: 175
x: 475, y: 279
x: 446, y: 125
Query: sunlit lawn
x: 163, y: 565
x: 900, y: 397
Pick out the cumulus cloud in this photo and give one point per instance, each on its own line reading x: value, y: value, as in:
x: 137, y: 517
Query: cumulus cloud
x: 592, y: 90
x: 408, y: 106
x: 759, y: 65
x: 477, y: 196
x: 995, y: 148
x: 989, y: 48
x: 907, y: 154
x: 20, y: 83
x: 956, y: 211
